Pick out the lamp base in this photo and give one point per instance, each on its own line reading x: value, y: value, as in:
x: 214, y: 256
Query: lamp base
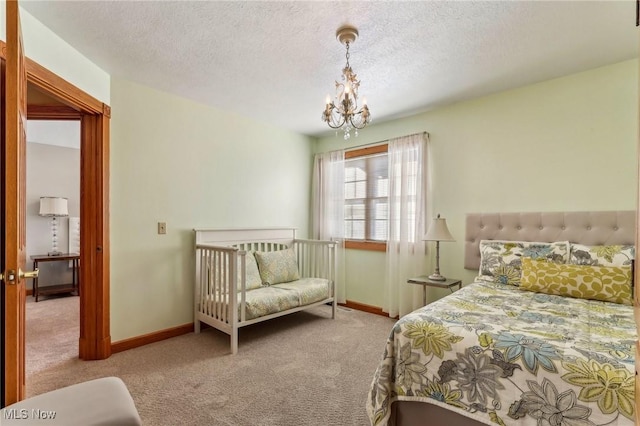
x: 437, y: 277
x: 54, y: 253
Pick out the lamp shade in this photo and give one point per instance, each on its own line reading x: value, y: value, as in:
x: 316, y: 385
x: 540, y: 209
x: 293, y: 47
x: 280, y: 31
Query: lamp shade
x: 438, y: 231
x: 53, y: 206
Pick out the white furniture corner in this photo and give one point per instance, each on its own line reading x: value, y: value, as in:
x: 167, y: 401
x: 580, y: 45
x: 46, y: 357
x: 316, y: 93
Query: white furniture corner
x: 219, y: 253
x: 104, y: 401
x: 74, y: 235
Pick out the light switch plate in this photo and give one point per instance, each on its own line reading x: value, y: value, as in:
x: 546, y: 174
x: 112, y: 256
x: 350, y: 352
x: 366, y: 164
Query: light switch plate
x: 162, y: 228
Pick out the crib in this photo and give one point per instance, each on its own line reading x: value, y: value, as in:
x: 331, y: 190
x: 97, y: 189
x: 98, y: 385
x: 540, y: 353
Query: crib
x: 223, y: 268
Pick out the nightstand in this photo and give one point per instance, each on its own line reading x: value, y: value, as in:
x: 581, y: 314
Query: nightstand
x: 426, y: 282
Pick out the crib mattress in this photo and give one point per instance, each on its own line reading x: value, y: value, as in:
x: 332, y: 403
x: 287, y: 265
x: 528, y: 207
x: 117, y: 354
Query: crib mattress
x: 268, y: 300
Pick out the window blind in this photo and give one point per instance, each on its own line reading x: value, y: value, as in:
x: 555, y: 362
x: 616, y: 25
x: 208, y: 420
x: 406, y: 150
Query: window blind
x: 366, y: 197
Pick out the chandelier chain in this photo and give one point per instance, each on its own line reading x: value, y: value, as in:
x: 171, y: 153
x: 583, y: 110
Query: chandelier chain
x: 347, y: 54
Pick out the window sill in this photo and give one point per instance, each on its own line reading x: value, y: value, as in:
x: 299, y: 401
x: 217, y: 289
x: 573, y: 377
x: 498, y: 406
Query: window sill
x: 366, y: 245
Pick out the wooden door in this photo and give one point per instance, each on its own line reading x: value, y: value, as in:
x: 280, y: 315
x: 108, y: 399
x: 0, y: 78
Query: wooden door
x: 14, y: 106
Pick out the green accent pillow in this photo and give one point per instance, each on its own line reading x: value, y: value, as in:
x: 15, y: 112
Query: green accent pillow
x: 606, y: 283
x: 251, y: 270
x: 252, y: 275
x: 500, y: 260
x: 278, y: 266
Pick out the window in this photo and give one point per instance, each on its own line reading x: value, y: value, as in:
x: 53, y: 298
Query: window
x: 366, y: 194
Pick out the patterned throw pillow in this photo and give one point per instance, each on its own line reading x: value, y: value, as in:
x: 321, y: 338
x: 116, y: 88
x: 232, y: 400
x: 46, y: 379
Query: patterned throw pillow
x: 614, y: 255
x: 277, y: 266
x: 606, y: 283
x: 500, y: 260
x: 252, y: 275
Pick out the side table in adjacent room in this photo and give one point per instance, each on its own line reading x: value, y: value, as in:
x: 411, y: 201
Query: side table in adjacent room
x: 71, y: 287
x: 426, y: 282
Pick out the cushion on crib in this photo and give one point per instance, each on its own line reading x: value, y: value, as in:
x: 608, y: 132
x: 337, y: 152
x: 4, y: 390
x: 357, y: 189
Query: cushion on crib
x: 252, y: 275
x: 309, y: 290
x: 251, y: 270
x: 279, y: 297
x: 267, y: 300
x: 277, y: 266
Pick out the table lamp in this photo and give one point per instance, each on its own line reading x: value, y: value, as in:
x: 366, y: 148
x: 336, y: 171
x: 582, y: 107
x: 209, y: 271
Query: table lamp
x: 437, y: 232
x: 54, y: 207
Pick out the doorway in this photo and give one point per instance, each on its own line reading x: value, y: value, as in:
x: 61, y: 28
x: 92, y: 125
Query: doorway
x: 73, y: 103
x: 52, y: 327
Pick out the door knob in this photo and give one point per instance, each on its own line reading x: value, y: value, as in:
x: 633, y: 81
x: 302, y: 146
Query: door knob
x: 32, y: 274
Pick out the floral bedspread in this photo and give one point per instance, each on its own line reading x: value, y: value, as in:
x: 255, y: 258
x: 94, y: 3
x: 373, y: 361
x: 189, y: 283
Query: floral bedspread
x: 506, y: 356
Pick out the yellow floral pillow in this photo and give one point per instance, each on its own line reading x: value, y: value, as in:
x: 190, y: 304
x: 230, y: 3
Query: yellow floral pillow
x: 606, y: 283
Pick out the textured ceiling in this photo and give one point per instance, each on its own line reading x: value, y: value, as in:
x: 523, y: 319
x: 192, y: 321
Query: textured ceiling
x: 277, y: 61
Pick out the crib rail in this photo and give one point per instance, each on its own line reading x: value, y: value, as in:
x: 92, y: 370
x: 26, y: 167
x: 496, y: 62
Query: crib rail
x: 317, y: 259
x: 220, y: 273
x: 260, y: 246
x: 217, y: 281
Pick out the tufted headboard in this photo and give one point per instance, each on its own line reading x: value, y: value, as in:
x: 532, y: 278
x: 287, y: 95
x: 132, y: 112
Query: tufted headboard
x: 589, y: 228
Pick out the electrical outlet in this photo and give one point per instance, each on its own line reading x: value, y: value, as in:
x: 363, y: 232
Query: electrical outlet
x: 162, y: 228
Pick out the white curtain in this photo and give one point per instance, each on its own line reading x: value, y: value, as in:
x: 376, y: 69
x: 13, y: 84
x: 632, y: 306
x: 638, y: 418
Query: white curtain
x: 407, y: 205
x: 327, y: 219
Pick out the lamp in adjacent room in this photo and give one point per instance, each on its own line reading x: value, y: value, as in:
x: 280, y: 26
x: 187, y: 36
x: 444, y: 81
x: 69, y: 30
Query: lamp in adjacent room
x: 54, y: 207
x: 437, y: 232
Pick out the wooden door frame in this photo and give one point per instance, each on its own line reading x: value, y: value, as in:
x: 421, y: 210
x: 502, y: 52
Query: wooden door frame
x: 95, y: 336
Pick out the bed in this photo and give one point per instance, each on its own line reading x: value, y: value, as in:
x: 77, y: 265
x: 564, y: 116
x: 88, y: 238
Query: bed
x: 524, y: 354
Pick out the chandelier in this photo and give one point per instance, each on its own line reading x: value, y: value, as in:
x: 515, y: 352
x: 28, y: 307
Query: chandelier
x: 342, y: 112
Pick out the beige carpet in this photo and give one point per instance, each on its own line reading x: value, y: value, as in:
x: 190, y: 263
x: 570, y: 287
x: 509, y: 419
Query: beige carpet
x: 52, y: 331
x: 301, y: 369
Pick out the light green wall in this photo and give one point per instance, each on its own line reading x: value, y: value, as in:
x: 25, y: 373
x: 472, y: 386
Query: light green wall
x: 192, y: 166
x: 564, y: 144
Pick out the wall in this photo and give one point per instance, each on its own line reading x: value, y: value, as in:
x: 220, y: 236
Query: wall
x: 192, y: 166
x: 564, y: 144
x: 47, y: 49
x: 51, y: 171
x: 65, y: 133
